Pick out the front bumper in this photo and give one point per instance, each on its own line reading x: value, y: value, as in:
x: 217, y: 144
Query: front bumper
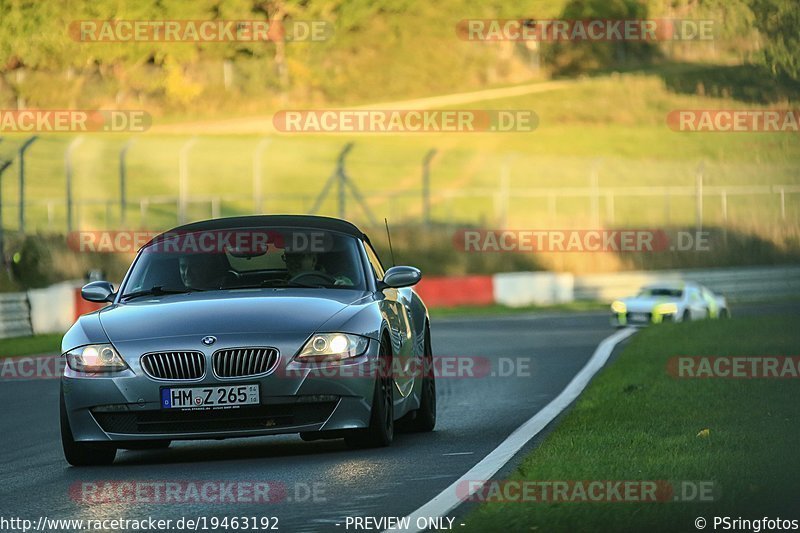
x: 295, y: 397
x: 640, y: 319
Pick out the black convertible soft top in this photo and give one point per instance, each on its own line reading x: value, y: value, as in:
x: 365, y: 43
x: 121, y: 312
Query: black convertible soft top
x: 266, y: 221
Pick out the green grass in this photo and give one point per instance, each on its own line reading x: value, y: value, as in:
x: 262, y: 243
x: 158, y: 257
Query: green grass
x: 499, y: 310
x: 635, y: 422
x: 33, y: 345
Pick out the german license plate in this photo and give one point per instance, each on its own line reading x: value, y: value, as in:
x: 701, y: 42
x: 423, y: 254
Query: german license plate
x: 216, y: 396
x: 638, y: 317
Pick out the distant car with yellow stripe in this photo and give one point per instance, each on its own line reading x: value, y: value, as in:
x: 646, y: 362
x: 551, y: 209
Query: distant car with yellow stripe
x: 668, y: 302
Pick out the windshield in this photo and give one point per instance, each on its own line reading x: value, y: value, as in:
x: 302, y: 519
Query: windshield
x: 655, y: 291
x: 246, y: 258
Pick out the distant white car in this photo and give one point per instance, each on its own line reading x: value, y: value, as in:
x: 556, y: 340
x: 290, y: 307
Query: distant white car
x: 668, y: 302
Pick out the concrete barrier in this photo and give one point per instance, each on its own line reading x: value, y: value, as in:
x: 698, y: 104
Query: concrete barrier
x: 736, y: 284
x: 520, y: 289
x: 53, y: 308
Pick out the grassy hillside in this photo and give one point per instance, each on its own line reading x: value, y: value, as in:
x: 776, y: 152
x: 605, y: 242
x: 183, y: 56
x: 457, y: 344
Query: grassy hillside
x: 614, y: 124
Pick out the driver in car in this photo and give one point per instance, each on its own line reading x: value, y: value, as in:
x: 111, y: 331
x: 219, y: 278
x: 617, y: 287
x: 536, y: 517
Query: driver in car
x: 200, y: 271
x: 300, y: 263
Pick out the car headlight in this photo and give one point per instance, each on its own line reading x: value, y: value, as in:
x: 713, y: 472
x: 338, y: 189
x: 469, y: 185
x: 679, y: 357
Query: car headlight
x: 619, y: 307
x: 95, y: 358
x: 333, y: 346
x: 666, y: 309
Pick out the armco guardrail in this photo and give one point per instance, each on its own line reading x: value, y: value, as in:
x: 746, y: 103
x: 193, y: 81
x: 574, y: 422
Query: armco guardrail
x: 15, y: 315
x: 520, y: 289
x: 736, y: 284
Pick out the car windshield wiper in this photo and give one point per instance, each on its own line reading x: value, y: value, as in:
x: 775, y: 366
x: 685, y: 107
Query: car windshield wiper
x: 158, y: 290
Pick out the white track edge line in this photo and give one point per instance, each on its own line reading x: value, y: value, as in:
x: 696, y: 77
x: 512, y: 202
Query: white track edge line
x: 449, y: 498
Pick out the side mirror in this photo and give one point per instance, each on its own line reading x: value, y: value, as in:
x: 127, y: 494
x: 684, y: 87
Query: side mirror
x: 401, y: 276
x: 98, y: 291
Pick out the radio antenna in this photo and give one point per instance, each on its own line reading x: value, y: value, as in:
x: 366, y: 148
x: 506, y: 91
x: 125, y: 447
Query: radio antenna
x: 389, y: 236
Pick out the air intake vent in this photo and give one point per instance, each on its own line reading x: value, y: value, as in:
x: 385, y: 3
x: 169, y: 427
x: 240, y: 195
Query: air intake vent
x: 174, y: 365
x: 243, y: 362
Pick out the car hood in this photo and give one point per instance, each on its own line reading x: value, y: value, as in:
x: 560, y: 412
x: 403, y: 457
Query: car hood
x: 226, y: 312
x: 646, y: 304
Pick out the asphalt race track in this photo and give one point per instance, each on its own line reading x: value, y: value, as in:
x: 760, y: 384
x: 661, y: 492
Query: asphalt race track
x: 475, y: 415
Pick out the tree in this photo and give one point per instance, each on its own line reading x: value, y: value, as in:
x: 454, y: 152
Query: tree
x: 778, y: 21
x: 573, y: 57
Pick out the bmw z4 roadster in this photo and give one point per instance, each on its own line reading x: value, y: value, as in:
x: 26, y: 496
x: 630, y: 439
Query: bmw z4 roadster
x: 249, y: 326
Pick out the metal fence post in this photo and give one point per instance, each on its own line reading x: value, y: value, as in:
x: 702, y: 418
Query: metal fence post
x: 109, y: 206
x: 342, y: 195
x: 724, y: 198
x: 183, y: 178
x: 552, y: 208
x: 122, y: 181
x: 68, y: 168
x: 783, y: 203
x: 50, y: 215
x: 258, y: 200
x: 144, y: 203
x: 22, y: 150
x: 337, y: 178
x: 698, y: 214
x: 426, y: 186
x: 595, y: 198
x: 610, y: 208
x: 3, y: 166
x: 342, y: 175
x: 504, y: 194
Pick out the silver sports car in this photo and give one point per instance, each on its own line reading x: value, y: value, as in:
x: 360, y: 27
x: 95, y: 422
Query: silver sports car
x: 249, y: 326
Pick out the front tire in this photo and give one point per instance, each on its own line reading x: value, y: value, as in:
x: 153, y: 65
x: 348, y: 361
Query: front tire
x: 687, y: 317
x: 381, y: 424
x: 82, y: 453
x: 424, y: 418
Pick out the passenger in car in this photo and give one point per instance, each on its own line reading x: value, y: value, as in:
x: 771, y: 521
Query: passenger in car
x: 298, y: 263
